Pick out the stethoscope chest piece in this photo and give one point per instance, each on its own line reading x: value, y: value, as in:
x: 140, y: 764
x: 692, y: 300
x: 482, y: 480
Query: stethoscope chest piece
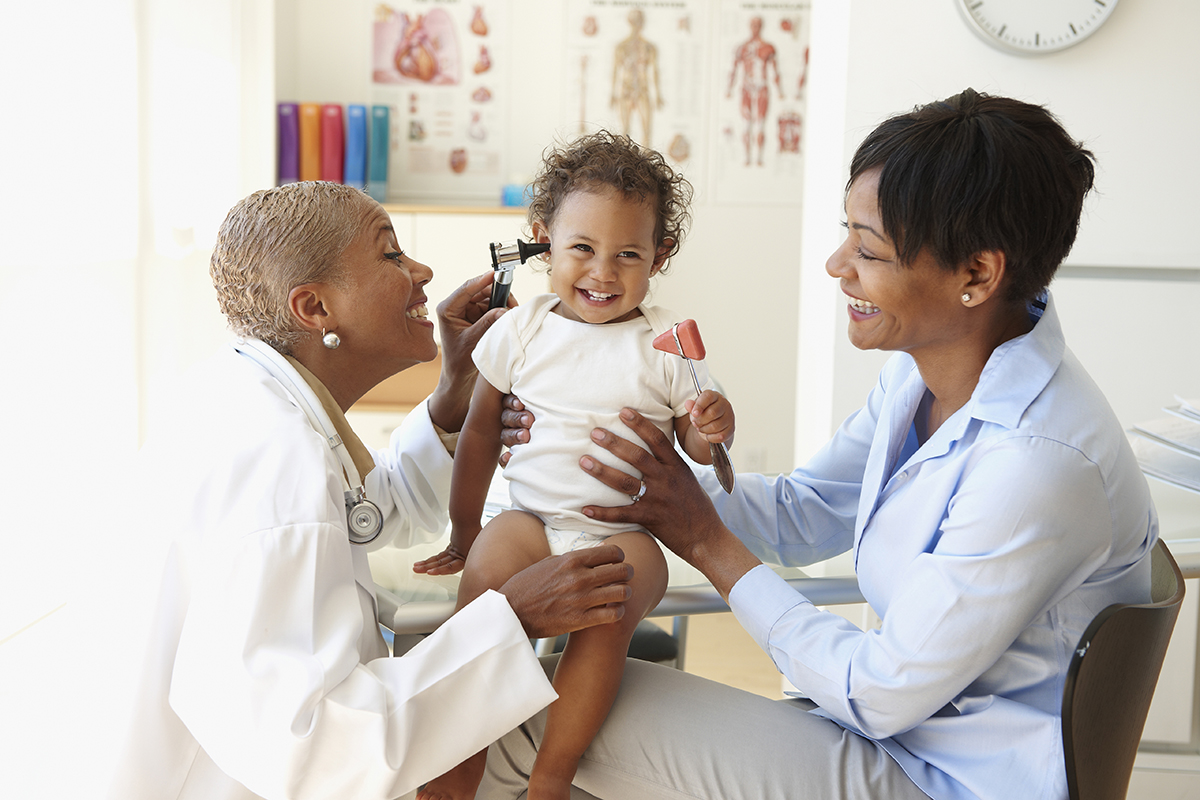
x: 364, y: 521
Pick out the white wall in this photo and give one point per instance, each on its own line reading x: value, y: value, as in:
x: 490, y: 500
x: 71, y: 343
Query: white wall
x: 132, y: 126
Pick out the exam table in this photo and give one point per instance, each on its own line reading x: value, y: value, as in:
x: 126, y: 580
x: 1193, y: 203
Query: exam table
x: 411, y: 604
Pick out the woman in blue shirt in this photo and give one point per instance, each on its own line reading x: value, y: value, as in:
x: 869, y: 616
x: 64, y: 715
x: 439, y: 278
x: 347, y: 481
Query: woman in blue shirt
x: 987, y: 491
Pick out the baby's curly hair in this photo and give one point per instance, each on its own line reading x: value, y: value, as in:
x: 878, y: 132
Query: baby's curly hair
x: 607, y: 159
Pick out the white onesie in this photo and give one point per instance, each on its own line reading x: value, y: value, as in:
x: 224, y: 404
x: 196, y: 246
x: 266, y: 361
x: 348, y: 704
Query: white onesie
x: 573, y: 377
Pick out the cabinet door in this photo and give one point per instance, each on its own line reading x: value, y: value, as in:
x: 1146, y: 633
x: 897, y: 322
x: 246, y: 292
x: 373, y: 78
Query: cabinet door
x: 455, y: 247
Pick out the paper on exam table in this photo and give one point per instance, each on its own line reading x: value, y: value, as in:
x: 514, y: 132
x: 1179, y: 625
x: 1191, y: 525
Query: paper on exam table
x: 1178, y: 433
x: 1187, y: 409
x: 1171, y: 465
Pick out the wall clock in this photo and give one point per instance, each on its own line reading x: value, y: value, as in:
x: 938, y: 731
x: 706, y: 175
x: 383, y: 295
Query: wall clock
x: 1030, y: 27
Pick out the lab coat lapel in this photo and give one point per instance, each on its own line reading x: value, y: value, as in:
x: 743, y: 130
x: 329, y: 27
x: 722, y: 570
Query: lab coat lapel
x: 364, y: 463
x: 362, y: 574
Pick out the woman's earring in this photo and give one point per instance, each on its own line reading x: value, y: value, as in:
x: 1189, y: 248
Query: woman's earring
x: 966, y: 297
x: 331, y: 339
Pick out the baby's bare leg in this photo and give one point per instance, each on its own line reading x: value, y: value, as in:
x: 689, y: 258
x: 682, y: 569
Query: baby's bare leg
x: 589, y: 673
x: 506, y: 545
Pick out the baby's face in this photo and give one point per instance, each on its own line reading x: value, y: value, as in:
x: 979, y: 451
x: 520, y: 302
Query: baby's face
x: 602, y: 255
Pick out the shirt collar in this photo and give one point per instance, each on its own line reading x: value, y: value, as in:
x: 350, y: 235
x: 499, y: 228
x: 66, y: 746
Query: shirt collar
x: 1019, y: 369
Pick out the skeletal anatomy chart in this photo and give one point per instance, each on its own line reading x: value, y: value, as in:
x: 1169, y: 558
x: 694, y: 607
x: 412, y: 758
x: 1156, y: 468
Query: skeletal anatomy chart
x: 639, y: 69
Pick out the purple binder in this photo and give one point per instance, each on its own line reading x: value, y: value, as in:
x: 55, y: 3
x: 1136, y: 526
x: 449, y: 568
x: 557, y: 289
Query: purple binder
x: 289, y: 143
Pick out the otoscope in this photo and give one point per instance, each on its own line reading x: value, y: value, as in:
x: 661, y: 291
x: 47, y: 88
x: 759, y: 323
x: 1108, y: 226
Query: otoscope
x: 505, y: 257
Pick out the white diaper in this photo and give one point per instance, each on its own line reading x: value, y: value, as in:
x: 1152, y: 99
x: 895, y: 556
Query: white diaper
x: 565, y: 541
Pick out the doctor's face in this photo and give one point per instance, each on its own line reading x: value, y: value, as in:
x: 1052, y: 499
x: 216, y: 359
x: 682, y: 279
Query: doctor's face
x: 382, y: 304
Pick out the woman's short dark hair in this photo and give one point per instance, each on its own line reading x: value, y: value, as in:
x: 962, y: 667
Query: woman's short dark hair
x: 974, y: 173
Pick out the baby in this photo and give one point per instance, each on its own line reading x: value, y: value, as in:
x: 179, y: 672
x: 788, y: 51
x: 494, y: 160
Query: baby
x: 613, y: 213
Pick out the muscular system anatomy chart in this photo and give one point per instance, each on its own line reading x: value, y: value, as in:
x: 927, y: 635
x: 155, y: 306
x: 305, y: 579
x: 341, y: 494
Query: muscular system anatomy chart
x: 762, y: 53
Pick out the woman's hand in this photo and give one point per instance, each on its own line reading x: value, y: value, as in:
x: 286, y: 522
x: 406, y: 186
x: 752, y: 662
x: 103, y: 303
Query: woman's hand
x: 674, y: 507
x: 463, y: 317
x: 515, y: 422
x: 447, y: 562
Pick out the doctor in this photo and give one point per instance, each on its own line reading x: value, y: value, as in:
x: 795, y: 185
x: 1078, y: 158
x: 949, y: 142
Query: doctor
x: 264, y: 672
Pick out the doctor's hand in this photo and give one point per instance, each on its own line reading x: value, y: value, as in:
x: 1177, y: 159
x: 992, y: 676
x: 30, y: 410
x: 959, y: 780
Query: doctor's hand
x: 463, y: 317
x: 515, y: 422
x: 561, y: 594
x: 673, y: 507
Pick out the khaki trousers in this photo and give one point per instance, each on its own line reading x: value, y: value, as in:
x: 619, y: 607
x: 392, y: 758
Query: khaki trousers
x: 675, y: 735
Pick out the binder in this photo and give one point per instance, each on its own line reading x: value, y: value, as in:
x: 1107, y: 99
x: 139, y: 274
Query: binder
x: 355, y: 173
x: 310, y: 142
x: 289, y: 143
x: 333, y: 136
x: 377, y: 174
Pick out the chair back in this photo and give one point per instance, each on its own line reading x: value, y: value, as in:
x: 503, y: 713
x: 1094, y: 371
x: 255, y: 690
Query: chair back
x: 1111, y: 681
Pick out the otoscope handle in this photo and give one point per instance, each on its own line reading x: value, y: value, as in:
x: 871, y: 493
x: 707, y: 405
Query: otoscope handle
x: 501, y: 287
x: 505, y: 258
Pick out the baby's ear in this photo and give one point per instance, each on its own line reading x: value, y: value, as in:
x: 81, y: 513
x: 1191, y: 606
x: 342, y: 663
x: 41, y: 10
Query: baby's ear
x: 660, y: 255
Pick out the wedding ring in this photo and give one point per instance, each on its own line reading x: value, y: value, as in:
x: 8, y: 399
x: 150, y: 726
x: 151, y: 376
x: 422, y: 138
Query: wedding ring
x: 641, y: 493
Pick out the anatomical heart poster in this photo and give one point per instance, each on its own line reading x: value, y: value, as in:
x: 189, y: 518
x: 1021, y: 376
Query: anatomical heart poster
x: 442, y: 68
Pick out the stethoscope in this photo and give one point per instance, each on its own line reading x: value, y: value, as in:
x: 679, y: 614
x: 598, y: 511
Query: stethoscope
x: 364, y: 521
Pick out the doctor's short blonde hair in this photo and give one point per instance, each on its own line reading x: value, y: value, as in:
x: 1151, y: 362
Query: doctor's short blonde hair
x: 278, y: 239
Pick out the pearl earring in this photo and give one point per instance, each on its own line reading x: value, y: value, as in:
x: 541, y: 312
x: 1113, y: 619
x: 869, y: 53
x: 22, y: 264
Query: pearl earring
x: 966, y: 297
x: 331, y: 339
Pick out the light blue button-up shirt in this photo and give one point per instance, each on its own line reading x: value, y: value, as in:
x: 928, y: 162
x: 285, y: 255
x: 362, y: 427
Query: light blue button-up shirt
x: 986, y: 551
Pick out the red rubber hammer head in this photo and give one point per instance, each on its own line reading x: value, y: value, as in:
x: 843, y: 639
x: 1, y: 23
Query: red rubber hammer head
x: 689, y: 340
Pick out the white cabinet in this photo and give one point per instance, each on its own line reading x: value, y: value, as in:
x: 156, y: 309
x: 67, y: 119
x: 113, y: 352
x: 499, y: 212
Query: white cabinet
x: 454, y: 244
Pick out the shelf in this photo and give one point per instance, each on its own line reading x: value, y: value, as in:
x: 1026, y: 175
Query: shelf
x: 410, y: 208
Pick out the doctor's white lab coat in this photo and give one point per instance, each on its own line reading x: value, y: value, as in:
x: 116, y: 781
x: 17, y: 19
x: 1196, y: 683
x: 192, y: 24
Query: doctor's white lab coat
x: 264, y: 673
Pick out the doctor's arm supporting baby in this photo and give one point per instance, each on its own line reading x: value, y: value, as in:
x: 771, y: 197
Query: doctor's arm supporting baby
x: 986, y: 490
x: 264, y: 673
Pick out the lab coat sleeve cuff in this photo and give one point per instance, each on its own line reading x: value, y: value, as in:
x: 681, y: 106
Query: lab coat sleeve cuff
x: 419, y: 437
x: 412, y: 475
x: 479, y: 666
x: 760, y: 599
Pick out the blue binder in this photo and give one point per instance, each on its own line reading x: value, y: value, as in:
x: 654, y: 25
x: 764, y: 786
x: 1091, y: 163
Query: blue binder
x: 377, y: 174
x: 355, y: 173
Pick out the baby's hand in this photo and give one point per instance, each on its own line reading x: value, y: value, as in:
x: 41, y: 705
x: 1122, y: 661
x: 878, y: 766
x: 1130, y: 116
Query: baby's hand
x: 712, y: 416
x: 447, y: 562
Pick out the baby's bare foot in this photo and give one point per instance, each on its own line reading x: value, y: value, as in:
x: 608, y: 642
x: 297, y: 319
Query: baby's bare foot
x: 459, y: 783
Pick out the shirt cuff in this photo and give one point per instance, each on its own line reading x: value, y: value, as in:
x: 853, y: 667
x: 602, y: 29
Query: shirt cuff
x: 759, y: 599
